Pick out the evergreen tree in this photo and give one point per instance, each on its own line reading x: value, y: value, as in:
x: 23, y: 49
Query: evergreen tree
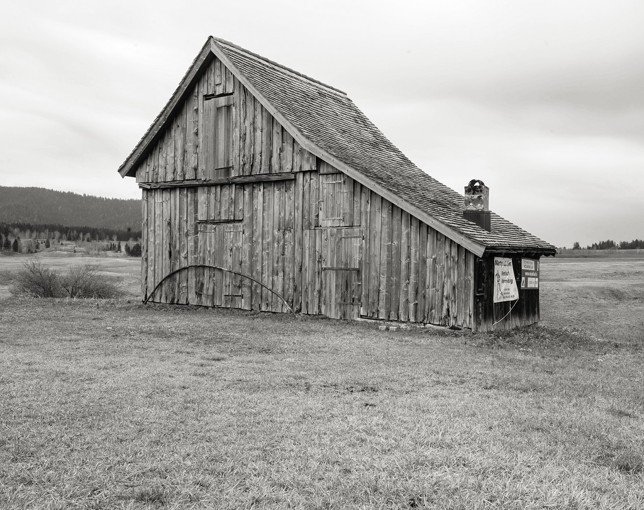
x: 47, y: 243
x: 16, y: 245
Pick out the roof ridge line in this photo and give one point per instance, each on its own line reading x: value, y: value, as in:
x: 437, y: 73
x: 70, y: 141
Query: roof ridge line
x: 279, y: 66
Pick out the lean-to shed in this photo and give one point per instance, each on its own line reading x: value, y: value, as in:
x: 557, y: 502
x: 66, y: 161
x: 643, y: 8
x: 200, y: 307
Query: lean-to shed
x: 264, y: 189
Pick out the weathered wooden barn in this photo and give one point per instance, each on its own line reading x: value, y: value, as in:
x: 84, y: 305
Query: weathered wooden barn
x: 264, y: 189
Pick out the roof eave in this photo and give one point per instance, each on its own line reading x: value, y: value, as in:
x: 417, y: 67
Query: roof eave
x: 523, y: 250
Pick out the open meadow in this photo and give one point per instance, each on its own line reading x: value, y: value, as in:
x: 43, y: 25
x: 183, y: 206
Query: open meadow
x: 112, y: 404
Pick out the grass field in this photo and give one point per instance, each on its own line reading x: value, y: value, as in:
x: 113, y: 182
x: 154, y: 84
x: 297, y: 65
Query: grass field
x: 117, y: 405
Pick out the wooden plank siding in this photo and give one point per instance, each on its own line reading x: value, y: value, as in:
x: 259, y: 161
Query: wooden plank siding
x: 318, y: 242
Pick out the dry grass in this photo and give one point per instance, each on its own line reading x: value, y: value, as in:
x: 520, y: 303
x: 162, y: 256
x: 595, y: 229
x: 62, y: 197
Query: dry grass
x: 121, y: 268
x: 604, y: 298
x: 116, y: 405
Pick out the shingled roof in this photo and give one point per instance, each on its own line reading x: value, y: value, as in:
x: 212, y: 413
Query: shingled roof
x: 327, y: 123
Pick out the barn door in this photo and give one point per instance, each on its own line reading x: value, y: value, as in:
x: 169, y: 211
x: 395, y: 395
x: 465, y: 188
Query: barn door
x: 340, y: 253
x: 221, y: 247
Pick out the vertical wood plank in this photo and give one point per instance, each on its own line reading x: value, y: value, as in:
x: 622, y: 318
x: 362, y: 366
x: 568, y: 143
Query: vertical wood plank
x: 267, y: 142
x: 174, y: 233
x: 201, y: 131
x: 314, y: 198
x: 258, y: 244
x: 365, y: 215
x: 252, y: 137
x: 306, y: 270
x: 287, y: 152
x: 171, y: 163
x: 227, y: 201
x: 276, y: 159
x: 453, y: 308
x: 218, y: 77
x: 289, y: 239
x: 422, y: 272
x: 183, y: 241
x: 413, y: 270
x: 208, y: 140
x: 153, y: 245
x: 396, y: 262
x: 235, y: 159
x: 268, y: 246
x: 239, y: 201
x: 258, y: 147
x: 403, y: 313
x: 306, y: 201
x: 469, y: 291
x: 375, y: 231
x: 317, y: 297
x: 297, y: 271
x: 144, y: 243
x: 440, y: 279
x: 163, y: 140
x: 192, y: 240
x: 228, y: 80
x: 357, y: 197
x: 346, y: 208
x: 247, y: 238
x: 180, y: 143
x: 158, y: 240
x: 245, y: 132
x: 297, y: 157
x: 192, y: 134
x: 430, y: 304
x: 384, y: 298
x: 278, y: 237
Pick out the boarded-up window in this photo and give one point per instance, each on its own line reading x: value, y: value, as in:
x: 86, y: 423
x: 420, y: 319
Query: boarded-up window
x: 218, y: 135
x: 336, y: 200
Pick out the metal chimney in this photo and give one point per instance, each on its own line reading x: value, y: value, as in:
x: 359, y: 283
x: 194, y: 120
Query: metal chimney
x: 477, y: 204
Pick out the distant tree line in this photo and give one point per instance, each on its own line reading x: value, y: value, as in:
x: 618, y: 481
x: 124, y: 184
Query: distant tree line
x: 612, y: 245
x: 39, y: 206
x: 62, y: 233
x: 29, y: 238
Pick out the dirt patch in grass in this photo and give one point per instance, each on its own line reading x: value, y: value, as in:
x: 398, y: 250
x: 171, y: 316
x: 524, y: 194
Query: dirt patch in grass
x: 547, y: 341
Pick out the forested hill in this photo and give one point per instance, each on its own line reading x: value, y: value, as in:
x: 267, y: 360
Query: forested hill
x: 44, y: 206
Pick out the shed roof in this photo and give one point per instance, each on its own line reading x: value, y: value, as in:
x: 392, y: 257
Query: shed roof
x: 327, y: 123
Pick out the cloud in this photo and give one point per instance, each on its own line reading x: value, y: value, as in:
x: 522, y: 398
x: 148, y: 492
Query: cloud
x: 542, y: 100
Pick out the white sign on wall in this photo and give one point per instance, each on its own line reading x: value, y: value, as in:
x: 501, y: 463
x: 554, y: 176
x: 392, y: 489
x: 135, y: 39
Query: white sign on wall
x: 529, y: 274
x: 505, y: 284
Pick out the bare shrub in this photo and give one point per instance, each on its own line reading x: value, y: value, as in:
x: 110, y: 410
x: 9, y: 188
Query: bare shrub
x: 86, y: 282
x: 37, y: 280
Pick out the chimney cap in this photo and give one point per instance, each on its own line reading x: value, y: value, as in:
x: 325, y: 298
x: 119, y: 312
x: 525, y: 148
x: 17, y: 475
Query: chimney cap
x: 475, y: 186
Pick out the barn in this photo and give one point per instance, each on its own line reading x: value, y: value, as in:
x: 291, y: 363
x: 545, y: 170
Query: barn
x: 264, y: 189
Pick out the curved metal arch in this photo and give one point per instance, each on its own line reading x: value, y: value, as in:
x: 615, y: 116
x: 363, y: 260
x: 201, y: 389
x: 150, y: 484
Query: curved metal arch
x: 147, y: 298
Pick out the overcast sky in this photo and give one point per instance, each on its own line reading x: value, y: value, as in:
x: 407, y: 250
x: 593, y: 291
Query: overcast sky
x: 542, y: 100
